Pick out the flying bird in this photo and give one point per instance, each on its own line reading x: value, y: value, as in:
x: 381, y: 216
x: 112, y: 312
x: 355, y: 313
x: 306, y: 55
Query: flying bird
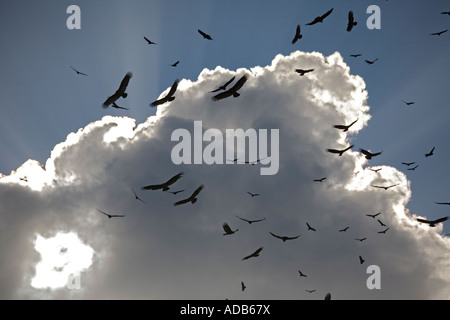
x: 253, y: 255
x: 351, y: 21
x: 298, y: 34
x: 110, y: 215
x: 344, y: 229
x: 327, y: 296
x: 136, y: 196
x: 310, y: 228
x: 192, y: 198
x: 369, y: 155
x: 78, y: 72
x: 438, y: 33
x: 371, y: 61
x: 375, y: 170
x: 382, y: 224
x: 224, y: 86
x: 445, y: 203
x: 227, y: 229
x: 120, y: 92
x: 340, y: 152
x: 284, y: 238
x: 408, y: 163
x: 175, y: 63
x: 345, y: 127
x: 114, y: 105
x: 383, y: 231
x: 446, y: 12
x: 176, y: 192
x: 233, y: 91
x: 149, y: 41
x: 432, y: 223
x: 429, y: 154
x: 302, y: 274
x: 164, y: 186
x: 251, y: 221
x: 319, y: 180
x: 361, y: 260
x: 168, y: 97
x: 385, y: 188
x: 360, y: 239
x: 205, y: 35
x: 408, y: 103
x: 413, y: 168
x: 310, y: 291
x: 302, y: 72
x: 243, y: 287
x: 373, y: 215
x: 253, y: 194
x: 356, y: 55
x: 320, y: 18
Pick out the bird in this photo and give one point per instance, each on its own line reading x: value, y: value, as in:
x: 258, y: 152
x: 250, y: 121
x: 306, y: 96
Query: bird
x: 149, y: 41
x: 164, y: 186
x: 302, y: 274
x: 382, y: 224
x: 344, y: 229
x: 375, y: 170
x: 243, y: 287
x: 254, y: 162
x: 356, y: 55
x: 383, y: 231
x: 175, y: 63
x: 136, y: 196
x: 310, y: 228
x: 345, y: 127
x: 373, y: 215
x: 254, y: 254
x: 176, y: 192
x: 302, y: 72
x: 445, y: 203
x: 360, y: 239
x: 78, y: 72
x: 298, y: 34
x: 432, y: 223
x: 327, y: 296
x: 385, y: 187
x: 446, y: 12
x: 320, y: 18
x: 310, y: 291
x: 168, y: 97
x: 408, y: 163
x: 371, y: 61
x: 253, y: 194
x: 438, y: 33
x: 340, y: 152
x: 251, y: 221
x: 192, y: 198
x: 361, y: 260
x: 369, y: 155
x: 114, y: 105
x: 227, y: 229
x: 233, y: 91
x: 120, y: 92
x: 111, y: 215
x: 319, y: 180
x: 284, y: 238
x: 224, y: 86
x: 429, y: 154
x: 205, y: 35
x: 351, y: 21
x: 408, y: 103
x: 413, y: 168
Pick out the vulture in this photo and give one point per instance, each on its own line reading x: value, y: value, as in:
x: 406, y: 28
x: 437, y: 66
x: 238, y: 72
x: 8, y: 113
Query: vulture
x: 302, y: 72
x: 78, y: 72
x: 340, y: 152
x: 432, y: 223
x: 356, y: 55
x: 369, y: 155
x: 149, y: 41
x: 345, y: 127
x: 120, y: 92
x: 164, y: 186
x: 253, y: 194
x: 361, y: 260
x: 227, y: 229
x: 251, y: 221
x: 224, y: 86
x: 408, y: 103
x: 233, y: 91
x: 351, y: 21
x: 253, y: 255
x: 429, y: 154
x: 344, y: 229
x: 408, y: 163
x: 136, y: 196
x: 319, y: 180
x: 371, y: 61
x: 175, y: 63
x: 205, y: 35
x: 309, y: 227
x: 192, y: 198
x: 298, y: 35
x: 385, y: 188
x: 168, y: 97
x: 320, y: 18
x: 284, y: 238
x: 438, y: 33
x: 111, y: 215
x: 373, y: 215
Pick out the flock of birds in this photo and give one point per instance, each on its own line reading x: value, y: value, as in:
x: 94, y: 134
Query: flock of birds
x: 223, y: 91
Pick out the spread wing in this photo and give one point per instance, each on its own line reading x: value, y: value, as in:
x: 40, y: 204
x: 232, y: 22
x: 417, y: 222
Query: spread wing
x: 367, y: 153
x: 423, y: 221
x: 440, y: 220
x: 326, y: 14
x: 276, y: 236
x: 182, y: 202
x: 120, y: 92
x: 196, y: 192
x: 239, y: 83
x: 167, y: 97
x: 165, y: 184
x: 227, y: 228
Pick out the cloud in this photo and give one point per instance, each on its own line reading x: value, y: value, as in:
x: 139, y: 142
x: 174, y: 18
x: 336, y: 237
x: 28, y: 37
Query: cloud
x: 162, y: 251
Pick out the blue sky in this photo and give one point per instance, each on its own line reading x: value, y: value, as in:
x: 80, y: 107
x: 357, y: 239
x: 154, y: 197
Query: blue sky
x: 44, y: 100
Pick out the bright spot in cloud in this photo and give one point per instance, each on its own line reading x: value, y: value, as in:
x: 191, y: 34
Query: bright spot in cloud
x: 62, y: 257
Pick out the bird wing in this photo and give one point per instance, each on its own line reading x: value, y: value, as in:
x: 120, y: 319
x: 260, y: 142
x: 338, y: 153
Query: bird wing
x: 124, y: 83
x: 229, y: 81
x: 243, y: 219
x: 197, y: 191
x: 276, y: 236
x: 222, y: 95
x: 448, y: 203
x: 333, y: 151
x: 173, y: 88
x: 239, y: 83
x: 340, y: 126
x: 174, y: 179
x: 440, y: 220
x: 423, y: 221
x: 111, y: 99
x: 367, y: 153
x: 326, y: 14
x: 182, y: 202
x: 227, y: 228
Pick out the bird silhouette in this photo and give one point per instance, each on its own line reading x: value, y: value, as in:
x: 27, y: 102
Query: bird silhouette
x: 384, y: 231
x: 302, y: 274
x: 119, y: 92
x: 345, y: 127
x: 371, y: 61
x: 373, y: 215
x: 385, y: 187
x: 408, y: 163
x: 310, y: 291
x: 78, y: 72
x: 429, y: 154
x: 319, y: 180
x: 284, y: 238
x: 149, y: 41
x: 340, y: 152
x: 233, y: 91
x: 168, y: 97
x: 356, y: 55
x: 225, y: 85
x: 175, y: 63
x: 254, y: 254
x: 369, y: 155
x: 251, y: 221
x: 351, y: 21
x: 136, y: 196
x: 361, y: 260
x: 253, y: 194
x: 302, y: 72
x: 309, y: 227
x: 408, y: 103
x: 110, y: 215
x: 438, y: 33
x: 432, y: 223
x: 164, y: 186
x: 176, y: 192
x: 192, y: 198
x: 445, y: 203
x: 375, y: 170
x: 360, y: 239
x: 205, y: 35
x: 382, y: 224
x: 327, y: 296
x: 344, y: 229
x: 413, y: 168
x: 298, y: 34
x: 227, y: 229
x: 320, y: 18
x: 243, y: 287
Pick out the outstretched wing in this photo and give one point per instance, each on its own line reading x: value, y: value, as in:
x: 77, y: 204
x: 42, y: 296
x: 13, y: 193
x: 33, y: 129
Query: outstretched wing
x: 196, y: 192
x: 276, y: 236
x: 173, y: 88
x: 440, y: 220
x: 182, y: 202
x: 124, y: 83
x: 367, y: 153
x: 167, y: 97
x: 227, y: 228
x: 423, y: 221
x: 239, y: 83
x: 222, y: 95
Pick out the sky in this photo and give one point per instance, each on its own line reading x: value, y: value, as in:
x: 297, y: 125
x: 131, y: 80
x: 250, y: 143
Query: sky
x: 66, y: 159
